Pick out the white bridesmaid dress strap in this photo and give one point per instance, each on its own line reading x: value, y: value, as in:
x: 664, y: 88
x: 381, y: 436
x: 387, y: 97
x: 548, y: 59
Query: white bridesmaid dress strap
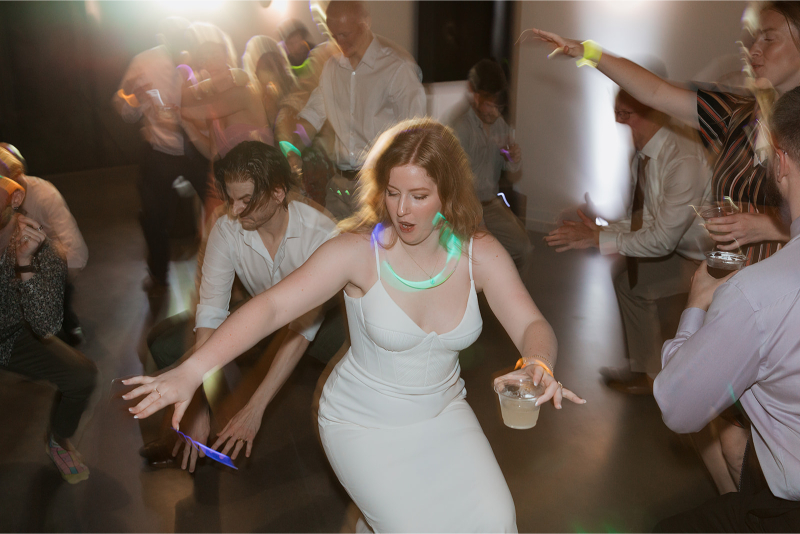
x: 470, y: 260
x: 377, y: 260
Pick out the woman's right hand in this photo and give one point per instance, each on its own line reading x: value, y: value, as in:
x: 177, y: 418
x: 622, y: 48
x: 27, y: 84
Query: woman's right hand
x: 557, y: 44
x: 173, y: 387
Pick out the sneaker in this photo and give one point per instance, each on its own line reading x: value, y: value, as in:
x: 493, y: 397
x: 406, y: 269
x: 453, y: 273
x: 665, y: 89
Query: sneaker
x: 69, y: 463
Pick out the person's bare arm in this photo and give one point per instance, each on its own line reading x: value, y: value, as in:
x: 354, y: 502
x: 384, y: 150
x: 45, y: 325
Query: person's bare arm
x: 639, y: 82
x: 330, y: 268
x: 217, y: 106
x: 496, y: 275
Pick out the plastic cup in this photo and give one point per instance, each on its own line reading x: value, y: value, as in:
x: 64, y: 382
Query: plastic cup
x: 518, y: 398
x: 708, y: 213
x: 721, y: 263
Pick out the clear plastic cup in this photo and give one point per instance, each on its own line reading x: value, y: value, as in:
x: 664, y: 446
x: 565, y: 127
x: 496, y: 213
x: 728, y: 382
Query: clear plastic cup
x: 712, y: 212
x: 518, y: 398
x: 722, y: 263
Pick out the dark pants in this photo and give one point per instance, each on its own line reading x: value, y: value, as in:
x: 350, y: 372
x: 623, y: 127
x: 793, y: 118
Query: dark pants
x: 752, y: 509
x: 73, y: 374
x: 70, y: 318
x: 157, y: 173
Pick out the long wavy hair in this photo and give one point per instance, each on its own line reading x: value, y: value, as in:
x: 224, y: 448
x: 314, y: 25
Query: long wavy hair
x: 425, y: 143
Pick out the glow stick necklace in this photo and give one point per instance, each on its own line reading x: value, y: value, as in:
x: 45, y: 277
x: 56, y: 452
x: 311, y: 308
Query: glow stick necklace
x: 450, y: 242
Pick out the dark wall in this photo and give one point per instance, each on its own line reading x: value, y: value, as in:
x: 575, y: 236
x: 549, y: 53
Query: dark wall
x: 61, y: 67
x: 453, y: 36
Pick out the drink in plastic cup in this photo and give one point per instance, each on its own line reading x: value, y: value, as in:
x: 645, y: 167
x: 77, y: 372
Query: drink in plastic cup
x: 721, y: 264
x: 708, y: 213
x: 518, y: 398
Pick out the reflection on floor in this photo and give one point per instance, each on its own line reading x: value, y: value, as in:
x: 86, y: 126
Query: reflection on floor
x: 608, y: 466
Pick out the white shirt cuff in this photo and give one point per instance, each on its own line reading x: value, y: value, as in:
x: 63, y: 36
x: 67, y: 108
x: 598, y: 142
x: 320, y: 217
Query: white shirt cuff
x: 608, y: 243
x: 209, y: 317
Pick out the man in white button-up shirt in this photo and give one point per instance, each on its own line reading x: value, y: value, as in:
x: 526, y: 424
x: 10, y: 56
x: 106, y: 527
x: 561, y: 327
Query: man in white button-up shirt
x: 363, y: 92
x: 666, y: 248
x: 262, y: 240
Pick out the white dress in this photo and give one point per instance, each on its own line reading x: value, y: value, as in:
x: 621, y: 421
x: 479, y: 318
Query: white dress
x: 397, y: 430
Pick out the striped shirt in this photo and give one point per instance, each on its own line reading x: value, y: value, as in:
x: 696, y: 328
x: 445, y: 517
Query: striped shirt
x: 725, y: 120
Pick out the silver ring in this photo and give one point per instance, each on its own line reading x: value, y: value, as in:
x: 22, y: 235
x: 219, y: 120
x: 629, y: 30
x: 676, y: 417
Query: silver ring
x: 156, y: 390
x: 561, y: 385
x: 25, y: 239
x: 40, y: 228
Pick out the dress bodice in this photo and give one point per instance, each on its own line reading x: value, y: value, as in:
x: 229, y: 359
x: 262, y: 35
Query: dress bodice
x: 388, y: 344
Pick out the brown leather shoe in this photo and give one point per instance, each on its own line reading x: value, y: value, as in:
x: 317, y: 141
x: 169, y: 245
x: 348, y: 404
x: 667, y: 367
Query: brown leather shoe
x: 640, y: 385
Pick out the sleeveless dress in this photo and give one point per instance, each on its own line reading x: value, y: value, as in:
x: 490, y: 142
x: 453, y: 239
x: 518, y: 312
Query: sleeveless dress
x: 398, y: 431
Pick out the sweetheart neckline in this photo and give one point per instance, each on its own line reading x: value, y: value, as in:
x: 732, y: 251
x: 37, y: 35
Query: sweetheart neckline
x: 396, y: 305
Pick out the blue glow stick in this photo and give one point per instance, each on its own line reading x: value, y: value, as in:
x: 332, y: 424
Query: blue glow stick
x: 211, y: 453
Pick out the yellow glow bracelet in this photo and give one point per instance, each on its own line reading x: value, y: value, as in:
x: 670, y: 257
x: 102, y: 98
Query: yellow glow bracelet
x: 591, y: 54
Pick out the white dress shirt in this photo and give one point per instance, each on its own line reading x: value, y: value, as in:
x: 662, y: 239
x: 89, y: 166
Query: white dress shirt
x: 746, y: 348
x: 154, y: 67
x: 45, y: 205
x: 360, y: 104
x: 232, y: 250
x: 677, y: 178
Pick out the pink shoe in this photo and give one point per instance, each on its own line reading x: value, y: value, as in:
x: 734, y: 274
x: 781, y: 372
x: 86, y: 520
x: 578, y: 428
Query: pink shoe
x: 69, y: 463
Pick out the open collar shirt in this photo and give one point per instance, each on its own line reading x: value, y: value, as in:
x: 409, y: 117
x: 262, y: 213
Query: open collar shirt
x: 677, y: 177
x: 483, y: 150
x: 361, y: 103
x: 746, y: 348
x: 232, y: 250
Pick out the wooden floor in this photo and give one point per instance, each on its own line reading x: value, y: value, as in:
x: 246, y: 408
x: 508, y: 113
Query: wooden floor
x: 608, y: 466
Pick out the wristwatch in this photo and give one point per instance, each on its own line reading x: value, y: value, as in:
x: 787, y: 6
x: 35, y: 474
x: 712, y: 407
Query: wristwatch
x: 19, y: 269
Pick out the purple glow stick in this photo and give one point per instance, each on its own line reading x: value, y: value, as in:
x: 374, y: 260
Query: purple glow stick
x: 211, y: 453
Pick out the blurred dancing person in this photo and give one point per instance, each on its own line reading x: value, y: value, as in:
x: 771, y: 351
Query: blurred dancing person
x: 361, y: 93
x: 393, y: 418
x: 151, y: 91
x: 45, y: 204
x: 32, y: 280
x: 661, y: 238
x: 486, y: 139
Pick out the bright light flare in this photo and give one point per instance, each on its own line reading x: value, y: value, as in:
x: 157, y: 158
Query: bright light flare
x: 191, y: 6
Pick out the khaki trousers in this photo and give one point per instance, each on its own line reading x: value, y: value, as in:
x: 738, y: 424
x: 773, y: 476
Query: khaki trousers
x: 658, y: 278
x: 508, y: 229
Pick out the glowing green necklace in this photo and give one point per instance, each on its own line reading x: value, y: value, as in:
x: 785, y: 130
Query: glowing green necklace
x: 447, y: 239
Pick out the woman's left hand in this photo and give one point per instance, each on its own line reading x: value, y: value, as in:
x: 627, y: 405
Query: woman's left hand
x: 553, y: 388
x: 739, y: 229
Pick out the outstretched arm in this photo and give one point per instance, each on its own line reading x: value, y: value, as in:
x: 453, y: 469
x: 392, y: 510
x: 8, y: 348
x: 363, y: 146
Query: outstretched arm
x: 511, y: 303
x: 639, y: 82
x: 328, y: 270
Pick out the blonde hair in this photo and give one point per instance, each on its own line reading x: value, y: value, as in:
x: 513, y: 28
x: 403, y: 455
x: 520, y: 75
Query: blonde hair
x: 434, y: 147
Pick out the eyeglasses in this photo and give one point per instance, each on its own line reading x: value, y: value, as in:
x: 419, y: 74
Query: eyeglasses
x: 489, y: 100
x: 622, y: 115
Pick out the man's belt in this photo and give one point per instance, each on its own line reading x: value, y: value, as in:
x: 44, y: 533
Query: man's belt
x: 349, y: 174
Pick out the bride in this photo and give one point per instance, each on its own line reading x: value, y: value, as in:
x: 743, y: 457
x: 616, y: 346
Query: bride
x: 393, y: 417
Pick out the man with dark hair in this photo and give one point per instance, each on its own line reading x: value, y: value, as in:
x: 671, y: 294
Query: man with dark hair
x: 661, y: 238
x: 32, y: 279
x: 489, y: 143
x: 265, y: 236
x: 737, y: 343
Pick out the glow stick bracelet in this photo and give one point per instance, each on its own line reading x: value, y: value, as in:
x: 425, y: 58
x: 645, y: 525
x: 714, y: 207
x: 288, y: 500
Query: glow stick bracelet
x: 211, y: 453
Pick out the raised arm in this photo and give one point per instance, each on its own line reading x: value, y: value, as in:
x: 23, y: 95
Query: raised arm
x: 639, y: 82
x: 327, y: 271
x: 496, y: 275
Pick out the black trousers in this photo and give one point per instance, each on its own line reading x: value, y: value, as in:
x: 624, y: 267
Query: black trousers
x: 752, y: 509
x: 73, y: 374
x: 157, y: 173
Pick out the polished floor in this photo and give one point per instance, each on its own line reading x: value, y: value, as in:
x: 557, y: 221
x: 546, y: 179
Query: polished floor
x: 608, y: 466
